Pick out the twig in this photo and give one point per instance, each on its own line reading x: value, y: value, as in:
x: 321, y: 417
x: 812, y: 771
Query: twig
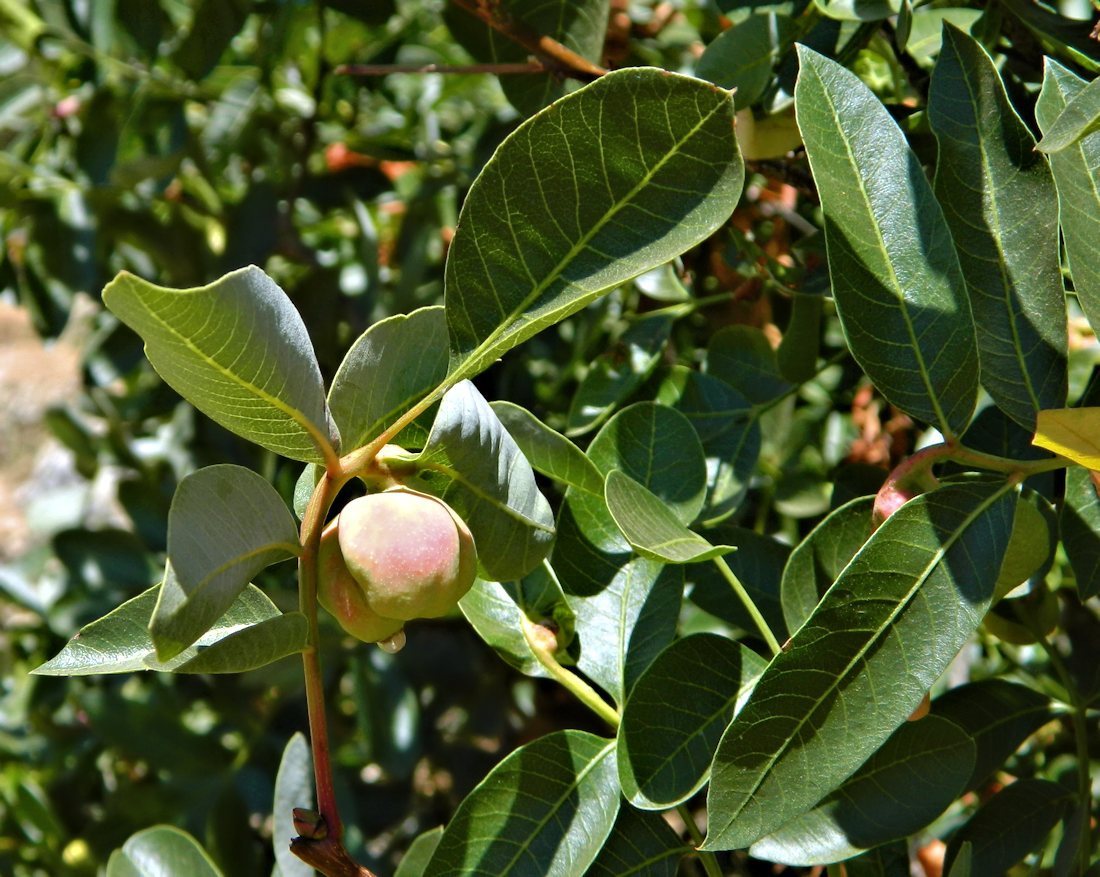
x: 552, y: 53
x: 387, y: 69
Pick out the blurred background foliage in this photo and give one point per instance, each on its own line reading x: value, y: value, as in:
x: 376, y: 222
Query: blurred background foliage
x: 180, y: 140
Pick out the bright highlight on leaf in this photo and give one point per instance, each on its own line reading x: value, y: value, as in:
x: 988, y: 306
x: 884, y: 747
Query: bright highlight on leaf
x: 1073, y: 433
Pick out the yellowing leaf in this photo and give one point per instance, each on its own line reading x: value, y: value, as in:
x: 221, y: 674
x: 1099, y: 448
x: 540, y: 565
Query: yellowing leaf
x: 1073, y: 433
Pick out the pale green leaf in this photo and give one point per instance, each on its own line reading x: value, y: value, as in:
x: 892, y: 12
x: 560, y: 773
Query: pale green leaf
x: 547, y: 450
x: 1077, y: 175
x: 293, y: 788
x: 999, y: 200
x: 607, y: 183
x: 1080, y: 118
x: 899, y: 290
x: 664, y: 752
x: 119, y: 642
x: 651, y: 528
x: 488, y: 481
x: 419, y: 853
x: 892, y: 622
x: 546, y: 809
x: 389, y: 368
x: 225, y: 525
x: 239, y: 352
x: 161, y: 851
x: 910, y: 781
x: 626, y: 607
x: 858, y: 10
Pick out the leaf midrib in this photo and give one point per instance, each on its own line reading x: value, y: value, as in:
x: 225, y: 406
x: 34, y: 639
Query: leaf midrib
x: 901, y: 606
x: 508, y: 324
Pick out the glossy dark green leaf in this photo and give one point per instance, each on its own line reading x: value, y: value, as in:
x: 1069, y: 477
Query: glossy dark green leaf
x: 389, y: 368
x: 1080, y: 526
x: 419, y: 853
x: 496, y: 610
x: 293, y: 788
x: 999, y: 200
x: 650, y: 526
x: 742, y: 57
x: 1067, y: 38
x: 1011, y: 824
x: 743, y: 357
x: 859, y: 666
x: 905, y: 785
x: 676, y: 714
x: 798, y: 351
x: 615, y: 374
x: 546, y: 809
x: 896, y: 279
x: 548, y: 451
x: 605, y: 184
x: 225, y: 525
x: 1077, y: 175
x: 998, y: 715
x: 489, y: 482
x: 656, y: 446
x: 889, y: 860
x: 239, y: 352
x: 161, y: 851
x: 640, y: 845
x: 250, y: 634
x: 818, y: 559
x: 729, y: 432
x: 1080, y: 118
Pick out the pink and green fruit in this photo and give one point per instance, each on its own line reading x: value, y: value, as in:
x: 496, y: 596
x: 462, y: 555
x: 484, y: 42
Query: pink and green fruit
x: 342, y: 596
x: 410, y: 553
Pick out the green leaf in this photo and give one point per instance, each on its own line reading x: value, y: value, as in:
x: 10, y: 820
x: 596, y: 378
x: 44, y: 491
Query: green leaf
x: 640, y: 845
x: 1077, y: 175
x: 119, y: 642
x: 1080, y: 118
x: 293, y: 788
x: 603, y: 185
x: 742, y: 57
x: 998, y: 716
x: 225, y: 525
x: 818, y: 559
x: 798, y: 351
x: 419, y: 853
x: 1010, y: 825
x: 626, y: 607
x: 488, y: 481
x: 729, y: 432
x: 858, y: 10
x: 1073, y: 433
x: 930, y: 760
x: 999, y: 200
x: 496, y: 611
x: 546, y: 809
x: 899, y: 290
x: 389, y: 368
x: 892, y: 622
x: 926, y: 34
x: 650, y: 527
x: 1068, y: 38
x: 613, y: 375
x: 743, y: 357
x: 1080, y: 526
x: 890, y: 860
x: 664, y: 753
x: 548, y: 451
x: 961, y: 867
x: 213, y: 26
x: 161, y: 851
x: 239, y: 352
x: 658, y: 447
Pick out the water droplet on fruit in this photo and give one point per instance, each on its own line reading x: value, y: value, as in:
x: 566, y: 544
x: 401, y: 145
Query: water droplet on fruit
x: 393, y: 644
